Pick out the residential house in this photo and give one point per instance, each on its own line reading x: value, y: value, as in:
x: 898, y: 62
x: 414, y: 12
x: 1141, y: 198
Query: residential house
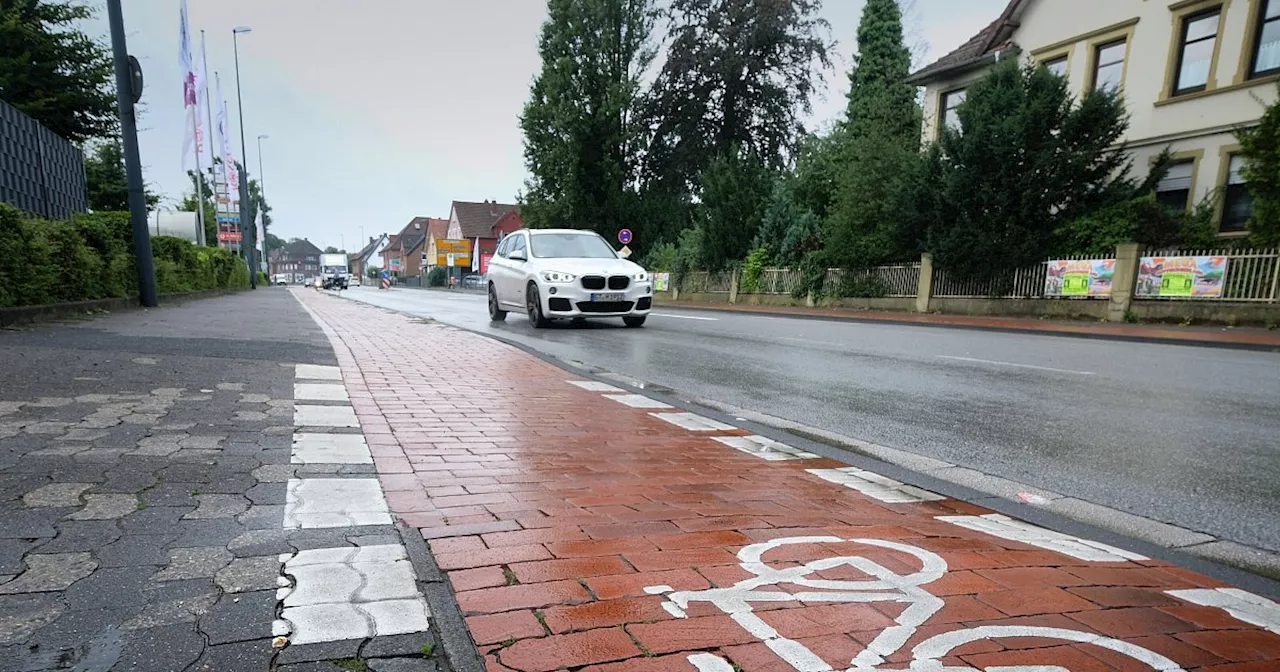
x: 370, y: 256
x: 1192, y: 72
x: 484, y: 224
x: 437, y: 230
x: 298, y: 258
x: 403, y: 253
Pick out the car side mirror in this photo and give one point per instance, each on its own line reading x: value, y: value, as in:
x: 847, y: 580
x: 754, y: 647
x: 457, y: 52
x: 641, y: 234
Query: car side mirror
x: 518, y: 256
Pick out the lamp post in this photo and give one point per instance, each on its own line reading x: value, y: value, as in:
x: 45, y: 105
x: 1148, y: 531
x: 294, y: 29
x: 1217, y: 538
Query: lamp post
x: 262, y: 180
x: 244, y: 161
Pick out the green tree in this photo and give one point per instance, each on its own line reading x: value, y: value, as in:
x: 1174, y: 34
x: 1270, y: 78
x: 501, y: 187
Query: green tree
x: 106, y: 184
x: 191, y: 203
x: 274, y: 242
x: 735, y: 189
x: 53, y: 72
x: 1027, y: 160
x: 878, y: 139
x: 1260, y: 147
x: 333, y: 250
x: 739, y: 73
x: 582, y: 134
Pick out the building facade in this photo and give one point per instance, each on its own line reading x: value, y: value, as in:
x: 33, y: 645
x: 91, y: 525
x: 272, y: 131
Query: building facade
x: 1192, y: 73
x: 299, y: 259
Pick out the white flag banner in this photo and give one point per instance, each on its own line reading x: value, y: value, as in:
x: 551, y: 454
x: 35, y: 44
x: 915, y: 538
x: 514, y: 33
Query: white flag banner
x: 229, y: 169
x: 204, y: 144
x: 262, y: 236
x: 190, y: 133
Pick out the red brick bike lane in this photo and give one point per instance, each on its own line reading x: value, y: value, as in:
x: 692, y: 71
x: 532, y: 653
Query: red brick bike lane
x: 589, y: 528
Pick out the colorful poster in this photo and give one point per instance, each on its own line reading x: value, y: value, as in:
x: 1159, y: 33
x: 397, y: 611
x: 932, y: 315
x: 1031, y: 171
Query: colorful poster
x: 661, y: 282
x: 1080, y: 277
x: 1193, y: 277
x: 484, y: 263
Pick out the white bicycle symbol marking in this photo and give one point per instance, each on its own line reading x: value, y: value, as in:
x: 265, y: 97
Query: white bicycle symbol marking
x: 884, y: 586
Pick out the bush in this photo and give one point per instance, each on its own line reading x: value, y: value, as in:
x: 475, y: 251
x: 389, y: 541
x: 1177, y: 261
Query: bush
x: 753, y: 270
x: 90, y: 257
x: 813, y: 271
x: 857, y: 285
x: 438, y: 276
x: 1140, y: 220
x: 661, y: 258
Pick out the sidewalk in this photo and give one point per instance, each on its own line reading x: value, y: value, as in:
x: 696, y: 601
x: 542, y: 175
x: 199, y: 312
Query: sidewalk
x: 582, y: 527
x: 1231, y: 337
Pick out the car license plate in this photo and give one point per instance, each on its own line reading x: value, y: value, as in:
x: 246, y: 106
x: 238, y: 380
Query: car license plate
x: 608, y: 298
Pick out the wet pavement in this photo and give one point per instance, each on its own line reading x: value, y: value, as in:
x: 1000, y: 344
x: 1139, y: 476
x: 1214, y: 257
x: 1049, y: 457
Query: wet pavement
x: 1177, y: 434
x: 585, y: 526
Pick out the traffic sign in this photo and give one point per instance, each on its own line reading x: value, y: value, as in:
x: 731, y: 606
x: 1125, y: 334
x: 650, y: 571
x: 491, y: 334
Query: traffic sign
x: 624, y: 252
x: 624, y: 236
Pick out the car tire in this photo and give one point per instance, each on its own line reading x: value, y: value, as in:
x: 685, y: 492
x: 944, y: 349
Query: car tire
x: 533, y: 303
x: 634, y: 321
x: 496, y: 314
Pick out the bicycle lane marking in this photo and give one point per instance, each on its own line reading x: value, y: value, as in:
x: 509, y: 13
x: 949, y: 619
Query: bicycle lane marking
x: 553, y: 509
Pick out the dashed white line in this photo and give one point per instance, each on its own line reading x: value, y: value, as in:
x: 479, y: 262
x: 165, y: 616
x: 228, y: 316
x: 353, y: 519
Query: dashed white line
x: 1002, y: 526
x: 993, y: 362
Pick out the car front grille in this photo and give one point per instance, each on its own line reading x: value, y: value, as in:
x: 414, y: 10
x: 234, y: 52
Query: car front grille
x: 619, y: 282
x: 593, y: 282
x: 559, y: 305
x: 644, y: 303
x: 605, y: 306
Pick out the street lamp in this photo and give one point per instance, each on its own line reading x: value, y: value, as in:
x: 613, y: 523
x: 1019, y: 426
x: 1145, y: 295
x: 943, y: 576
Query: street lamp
x: 244, y: 163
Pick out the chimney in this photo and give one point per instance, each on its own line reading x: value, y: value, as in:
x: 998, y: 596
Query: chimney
x: 493, y: 208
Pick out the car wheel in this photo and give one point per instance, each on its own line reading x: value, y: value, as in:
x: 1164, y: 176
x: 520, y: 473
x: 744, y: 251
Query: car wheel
x: 634, y: 321
x: 534, y: 305
x: 496, y: 314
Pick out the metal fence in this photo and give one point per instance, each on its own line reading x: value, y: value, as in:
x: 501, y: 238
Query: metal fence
x: 702, y: 282
x: 900, y: 281
x: 40, y: 172
x: 779, y: 281
x: 1017, y: 283
x: 1251, y: 275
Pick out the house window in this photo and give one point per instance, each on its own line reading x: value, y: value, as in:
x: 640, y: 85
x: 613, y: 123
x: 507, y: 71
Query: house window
x: 1108, y: 69
x: 1174, y: 191
x: 1237, y: 202
x: 950, y: 103
x: 1266, y: 46
x: 1057, y: 66
x: 1195, y: 55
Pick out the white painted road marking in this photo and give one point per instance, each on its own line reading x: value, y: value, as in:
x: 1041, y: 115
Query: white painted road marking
x: 1033, y: 367
x: 314, y: 372
x: 1250, y: 608
x: 1005, y: 527
x: 319, y: 392
x: 765, y: 448
x: 324, y: 416
x: 330, y: 449
x: 594, y: 386
x: 636, y: 401
x: 693, y: 422
x: 350, y: 593
x: 686, y: 317
x: 335, y: 502
x: 876, y: 486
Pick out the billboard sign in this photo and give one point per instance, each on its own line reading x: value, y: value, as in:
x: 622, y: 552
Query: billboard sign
x: 1080, y: 277
x: 1188, y: 277
x: 459, y: 249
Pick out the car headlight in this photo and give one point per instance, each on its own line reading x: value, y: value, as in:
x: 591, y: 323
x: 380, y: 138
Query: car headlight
x: 641, y: 276
x: 558, y: 278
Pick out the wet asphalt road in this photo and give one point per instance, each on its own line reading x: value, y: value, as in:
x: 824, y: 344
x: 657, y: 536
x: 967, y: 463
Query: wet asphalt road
x: 1185, y: 435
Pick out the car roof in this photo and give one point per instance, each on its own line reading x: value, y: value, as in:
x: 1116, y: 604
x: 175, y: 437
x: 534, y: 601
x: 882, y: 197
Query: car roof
x: 539, y: 232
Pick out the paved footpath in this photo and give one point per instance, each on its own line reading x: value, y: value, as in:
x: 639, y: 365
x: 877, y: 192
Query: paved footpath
x: 187, y: 489
x: 584, y: 526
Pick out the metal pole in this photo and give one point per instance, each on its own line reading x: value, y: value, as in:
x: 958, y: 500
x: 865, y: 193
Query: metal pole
x: 213, y: 151
x: 244, y: 176
x: 132, y: 163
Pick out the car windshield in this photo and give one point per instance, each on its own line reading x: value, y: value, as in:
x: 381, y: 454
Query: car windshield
x: 570, y: 245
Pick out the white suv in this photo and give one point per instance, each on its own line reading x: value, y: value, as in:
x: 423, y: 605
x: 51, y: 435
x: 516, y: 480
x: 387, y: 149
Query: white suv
x: 564, y: 273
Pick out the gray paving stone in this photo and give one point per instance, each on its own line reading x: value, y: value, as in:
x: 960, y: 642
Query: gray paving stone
x: 22, y: 615
x: 261, y: 542
x: 217, y: 506
x: 402, y: 665
x: 268, y: 493
x: 56, y: 494
x: 193, y: 563
x: 112, y: 588
x: 249, y: 574
x: 79, y: 536
x: 105, y: 507
x: 50, y: 572
x: 11, y: 552
x: 172, y: 612
x: 305, y: 653
x: 155, y: 520
x: 274, y: 473
x: 388, y: 646
x: 136, y: 549
x: 30, y: 524
x: 249, y: 656
x: 262, y: 517
x: 209, y: 532
x: 127, y: 479
x: 228, y: 484
x: 173, y: 647
x: 240, y: 617
x: 314, y: 666
x: 171, y: 493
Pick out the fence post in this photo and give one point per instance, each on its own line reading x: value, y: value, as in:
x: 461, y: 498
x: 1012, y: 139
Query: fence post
x: 924, y: 287
x: 733, y: 286
x: 1124, y: 282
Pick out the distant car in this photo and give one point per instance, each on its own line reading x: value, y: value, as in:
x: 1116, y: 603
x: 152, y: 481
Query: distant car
x: 281, y: 279
x: 319, y: 282
x: 354, y: 281
x: 473, y: 282
x: 564, y: 273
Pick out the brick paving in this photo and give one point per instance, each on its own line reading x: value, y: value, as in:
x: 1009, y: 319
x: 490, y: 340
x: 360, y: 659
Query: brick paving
x: 577, y: 532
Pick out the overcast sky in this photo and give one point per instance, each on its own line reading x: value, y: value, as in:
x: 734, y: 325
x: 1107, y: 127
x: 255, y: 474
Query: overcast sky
x: 382, y: 110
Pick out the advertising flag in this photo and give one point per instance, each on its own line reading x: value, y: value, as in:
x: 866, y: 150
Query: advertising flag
x: 189, y: 135
x: 229, y: 169
x: 204, y: 146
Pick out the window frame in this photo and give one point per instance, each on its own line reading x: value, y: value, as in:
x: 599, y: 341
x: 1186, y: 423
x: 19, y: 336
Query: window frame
x: 1064, y: 59
x: 1228, y: 154
x: 1186, y: 158
x: 1183, y: 21
x: 1096, y: 54
x: 1259, y: 24
x: 943, y: 109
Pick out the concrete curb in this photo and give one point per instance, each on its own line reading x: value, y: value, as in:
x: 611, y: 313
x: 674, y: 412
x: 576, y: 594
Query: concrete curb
x: 1252, y: 569
x: 18, y: 315
x: 889, y: 319
x: 459, y: 651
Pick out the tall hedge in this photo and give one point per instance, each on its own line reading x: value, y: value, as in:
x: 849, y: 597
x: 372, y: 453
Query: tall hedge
x: 90, y: 256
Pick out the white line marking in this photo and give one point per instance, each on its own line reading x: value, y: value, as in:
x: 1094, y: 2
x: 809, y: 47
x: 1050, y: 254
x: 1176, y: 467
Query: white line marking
x: 636, y: 401
x: 764, y: 448
x: 686, y: 317
x: 319, y: 392
x: 315, y: 372
x: 324, y: 416
x: 330, y: 449
x: 334, y: 502
x: 1019, y: 366
x: 998, y: 525
x: 1247, y: 607
x: 693, y: 422
x: 876, y: 486
x: 594, y: 386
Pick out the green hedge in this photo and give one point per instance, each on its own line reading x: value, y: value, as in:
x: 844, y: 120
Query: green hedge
x: 90, y: 257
